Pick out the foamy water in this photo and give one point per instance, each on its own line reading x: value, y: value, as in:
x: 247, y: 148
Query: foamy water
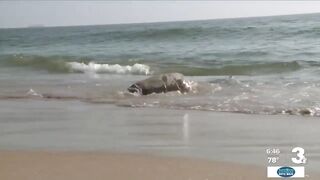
x: 112, y: 68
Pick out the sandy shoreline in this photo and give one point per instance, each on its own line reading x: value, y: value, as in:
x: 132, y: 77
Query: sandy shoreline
x: 73, y: 140
x: 103, y: 165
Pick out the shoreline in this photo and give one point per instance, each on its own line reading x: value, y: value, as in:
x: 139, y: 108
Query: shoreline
x: 71, y: 165
x: 222, y: 137
x: 73, y: 140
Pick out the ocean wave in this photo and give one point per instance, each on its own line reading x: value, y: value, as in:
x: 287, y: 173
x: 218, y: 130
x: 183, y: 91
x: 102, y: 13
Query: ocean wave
x: 52, y: 64
x: 140, y: 69
x: 59, y: 64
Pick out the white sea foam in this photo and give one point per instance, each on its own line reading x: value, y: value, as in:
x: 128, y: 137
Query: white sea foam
x: 191, y: 85
x: 140, y: 69
x: 31, y: 92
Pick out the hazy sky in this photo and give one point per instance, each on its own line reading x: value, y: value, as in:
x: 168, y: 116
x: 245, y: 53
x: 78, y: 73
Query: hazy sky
x: 64, y: 13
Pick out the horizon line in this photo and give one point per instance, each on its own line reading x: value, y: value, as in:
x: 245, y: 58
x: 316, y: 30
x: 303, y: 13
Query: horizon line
x: 152, y: 22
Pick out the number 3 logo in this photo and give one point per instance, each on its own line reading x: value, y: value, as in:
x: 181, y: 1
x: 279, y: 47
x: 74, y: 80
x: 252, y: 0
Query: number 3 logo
x: 300, y: 154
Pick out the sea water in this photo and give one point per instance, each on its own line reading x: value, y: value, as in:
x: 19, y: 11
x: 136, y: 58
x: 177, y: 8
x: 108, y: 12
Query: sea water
x: 263, y: 65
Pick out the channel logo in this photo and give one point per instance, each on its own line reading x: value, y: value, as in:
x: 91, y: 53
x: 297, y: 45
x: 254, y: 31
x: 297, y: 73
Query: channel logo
x: 286, y: 172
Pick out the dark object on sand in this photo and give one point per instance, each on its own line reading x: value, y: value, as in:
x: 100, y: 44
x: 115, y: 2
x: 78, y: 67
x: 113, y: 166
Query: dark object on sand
x: 160, y: 84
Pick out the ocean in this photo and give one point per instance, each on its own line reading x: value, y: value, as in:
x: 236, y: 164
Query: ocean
x: 262, y: 65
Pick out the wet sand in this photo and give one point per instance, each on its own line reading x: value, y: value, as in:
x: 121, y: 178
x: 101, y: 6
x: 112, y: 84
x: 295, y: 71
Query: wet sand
x: 87, y: 165
x: 29, y: 129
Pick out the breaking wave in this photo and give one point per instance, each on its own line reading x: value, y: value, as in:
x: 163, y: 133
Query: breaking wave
x: 62, y: 64
x: 58, y: 64
x: 106, y: 68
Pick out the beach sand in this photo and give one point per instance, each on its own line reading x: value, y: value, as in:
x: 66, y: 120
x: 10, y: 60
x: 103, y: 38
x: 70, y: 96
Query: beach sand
x: 76, y: 140
x: 30, y: 165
